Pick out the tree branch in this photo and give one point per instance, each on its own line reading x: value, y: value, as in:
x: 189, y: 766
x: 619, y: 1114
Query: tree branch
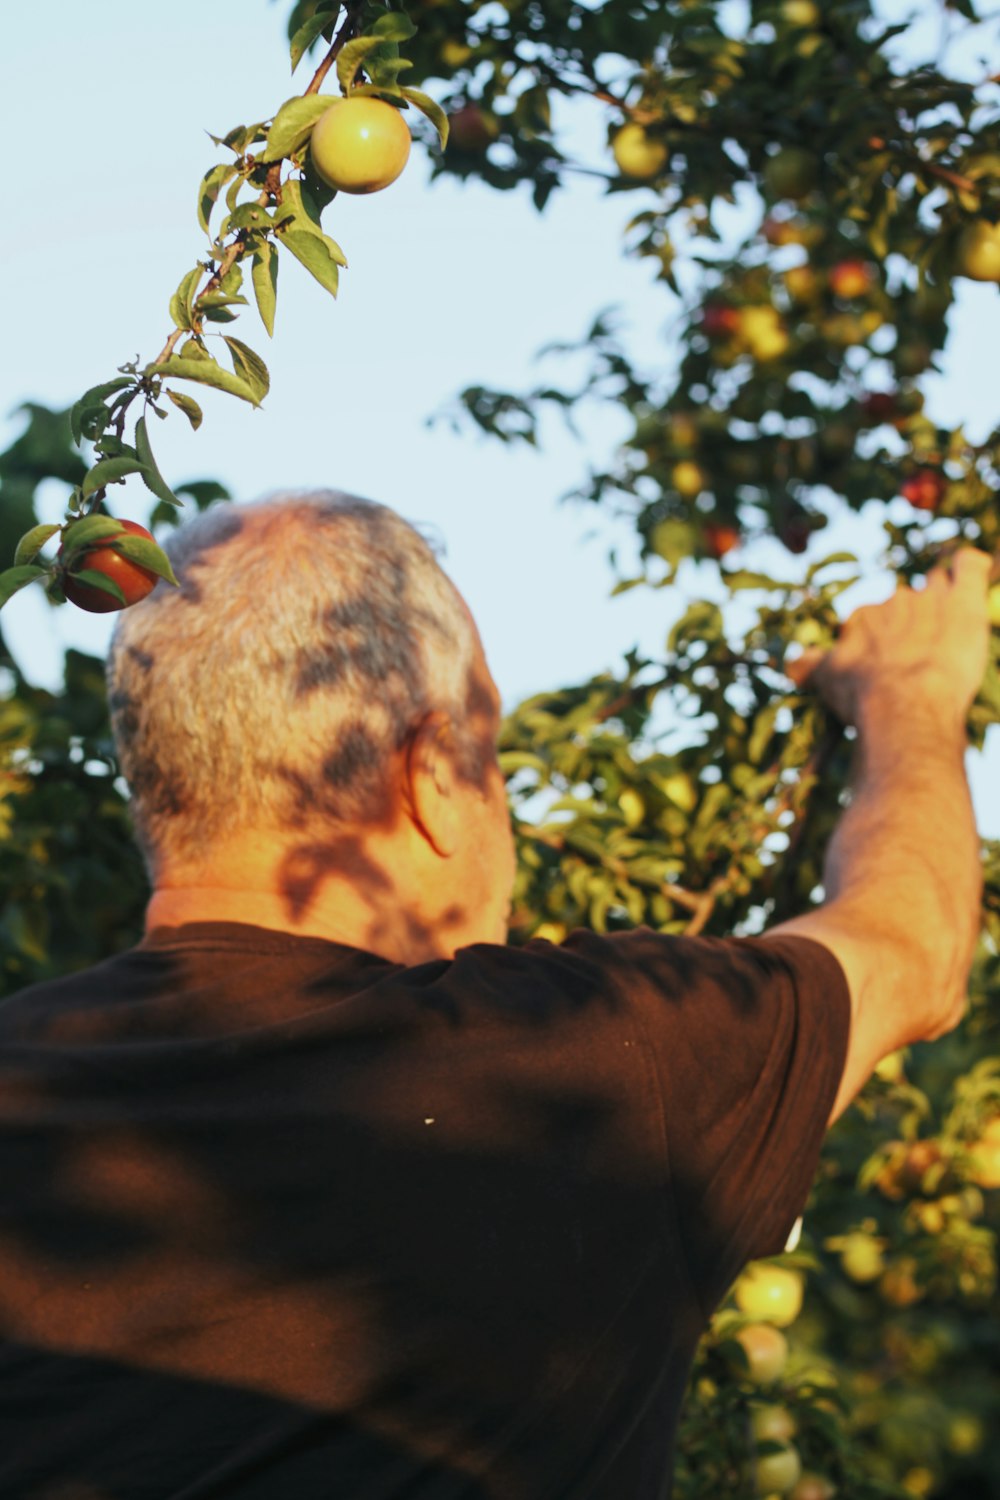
x: 347, y: 27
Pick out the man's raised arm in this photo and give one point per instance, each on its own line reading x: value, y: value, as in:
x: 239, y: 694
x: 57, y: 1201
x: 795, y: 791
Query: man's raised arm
x: 902, y: 874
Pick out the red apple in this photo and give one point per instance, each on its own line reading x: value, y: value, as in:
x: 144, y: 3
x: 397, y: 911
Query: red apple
x: 472, y: 129
x: 719, y: 321
x: 925, y: 489
x: 879, y: 406
x: 850, y: 279
x: 795, y: 534
x: 721, y: 537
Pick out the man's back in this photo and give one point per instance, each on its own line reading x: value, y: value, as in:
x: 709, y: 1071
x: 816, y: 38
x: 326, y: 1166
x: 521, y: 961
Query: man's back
x: 282, y: 1219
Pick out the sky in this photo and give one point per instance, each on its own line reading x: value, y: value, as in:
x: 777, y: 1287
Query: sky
x: 448, y: 285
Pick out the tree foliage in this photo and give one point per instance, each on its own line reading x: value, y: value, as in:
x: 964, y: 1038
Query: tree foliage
x: 862, y: 180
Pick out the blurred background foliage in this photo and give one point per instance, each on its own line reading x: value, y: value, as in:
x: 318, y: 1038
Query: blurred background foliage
x: 794, y: 388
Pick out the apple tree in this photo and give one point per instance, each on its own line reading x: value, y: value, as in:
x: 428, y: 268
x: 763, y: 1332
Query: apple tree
x: 694, y: 791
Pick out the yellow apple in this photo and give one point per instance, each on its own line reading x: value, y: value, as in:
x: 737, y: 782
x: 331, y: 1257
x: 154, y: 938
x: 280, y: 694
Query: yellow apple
x: 772, y: 1294
x: 800, y: 13
x: 360, y: 145
x: 777, y: 1473
x: 766, y: 1350
x: 688, y: 479
x: 861, y: 1257
x: 637, y: 154
x: 762, y: 333
x: 977, y: 253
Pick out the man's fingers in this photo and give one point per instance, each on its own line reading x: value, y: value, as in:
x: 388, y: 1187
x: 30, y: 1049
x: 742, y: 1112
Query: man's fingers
x: 969, y: 567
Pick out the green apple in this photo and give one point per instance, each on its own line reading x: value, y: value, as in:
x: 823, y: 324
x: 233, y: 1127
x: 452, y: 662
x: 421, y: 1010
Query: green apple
x: 790, y: 173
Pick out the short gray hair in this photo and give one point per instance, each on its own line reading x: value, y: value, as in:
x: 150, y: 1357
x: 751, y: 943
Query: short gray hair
x: 309, y: 634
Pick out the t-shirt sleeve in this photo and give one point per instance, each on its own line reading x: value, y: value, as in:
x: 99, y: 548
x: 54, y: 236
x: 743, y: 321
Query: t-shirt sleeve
x: 748, y: 1040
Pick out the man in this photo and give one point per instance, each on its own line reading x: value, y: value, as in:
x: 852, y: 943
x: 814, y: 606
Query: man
x: 322, y: 1190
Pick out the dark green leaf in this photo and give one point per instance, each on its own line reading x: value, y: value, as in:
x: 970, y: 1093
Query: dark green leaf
x: 151, y: 476
x: 16, y: 578
x: 80, y: 534
x: 32, y: 543
x: 99, y: 581
x: 189, y: 406
x: 249, y: 366
x: 206, y: 371
x: 264, y: 274
x: 432, y: 110
x: 108, y: 471
x: 148, y: 554
x: 95, y: 397
x: 310, y: 30
x: 204, y: 491
x: 293, y: 124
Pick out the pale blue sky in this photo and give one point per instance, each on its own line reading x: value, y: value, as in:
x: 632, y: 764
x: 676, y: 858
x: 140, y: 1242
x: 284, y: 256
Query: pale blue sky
x: 104, y: 107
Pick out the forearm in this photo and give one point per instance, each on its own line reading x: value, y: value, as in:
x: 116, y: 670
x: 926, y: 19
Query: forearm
x: 907, y: 848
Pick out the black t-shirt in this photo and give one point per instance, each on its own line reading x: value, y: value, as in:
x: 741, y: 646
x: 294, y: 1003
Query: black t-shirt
x: 281, y: 1220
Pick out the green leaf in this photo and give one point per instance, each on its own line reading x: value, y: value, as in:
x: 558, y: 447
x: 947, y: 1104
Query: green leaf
x: 220, y: 299
x: 300, y: 214
x: 211, y: 186
x: 828, y: 561
x: 247, y: 216
x: 312, y: 251
x: 308, y: 32
x: 16, y: 578
x: 745, y: 578
x: 264, y: 275
x: 763, y: 729
x: 151, y: 476
x: 80, y: 534
x: 351, y: 58
x: 108, y: 471
x: 93, y: 399
x: 180, y: 302
x: 206, y: 372
x: 431, y: 109
x: 385, y: 73
x: 293, y: 124
x: 146, y: 553
x: 394, y: 27
x: 189, y: 406
x: 249, y: 366
x: 99, y: 581
x: 32, y: 543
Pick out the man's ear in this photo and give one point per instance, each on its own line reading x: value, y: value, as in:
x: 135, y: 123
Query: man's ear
x: 431, y: 784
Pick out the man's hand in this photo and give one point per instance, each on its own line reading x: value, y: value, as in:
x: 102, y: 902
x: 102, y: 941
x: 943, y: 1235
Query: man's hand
x: 925, y: 649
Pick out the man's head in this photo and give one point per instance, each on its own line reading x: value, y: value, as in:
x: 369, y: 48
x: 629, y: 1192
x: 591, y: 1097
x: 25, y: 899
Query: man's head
x: 313, y: 700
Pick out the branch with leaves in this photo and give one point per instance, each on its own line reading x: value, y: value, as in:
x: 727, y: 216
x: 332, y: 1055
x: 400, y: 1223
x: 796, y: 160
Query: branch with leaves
x: 275, y: 195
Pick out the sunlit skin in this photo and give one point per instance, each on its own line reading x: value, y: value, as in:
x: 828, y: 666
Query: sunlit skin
x: 435, y: 875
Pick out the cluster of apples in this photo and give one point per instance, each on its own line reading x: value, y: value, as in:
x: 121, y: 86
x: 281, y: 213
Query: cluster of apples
x: 755, y: 329
x: 770, y: 1296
